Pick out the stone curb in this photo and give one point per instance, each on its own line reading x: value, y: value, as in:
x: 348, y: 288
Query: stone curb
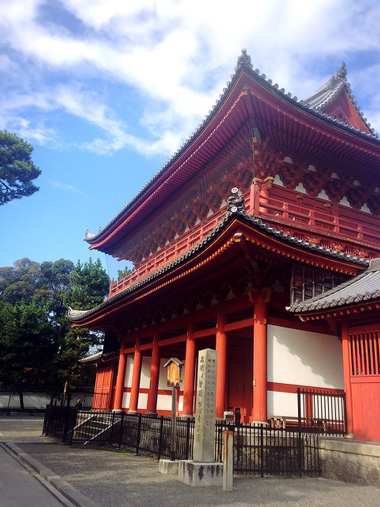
x: 63, y: 487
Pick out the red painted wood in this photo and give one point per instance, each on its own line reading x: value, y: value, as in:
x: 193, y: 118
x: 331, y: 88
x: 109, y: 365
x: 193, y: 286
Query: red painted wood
x: 188, y: 384
x: 347, y: 364
x: 364, y: 386
x: 292, y: 388
x: 221, y: 348
x: 260, y: 359
x: 103, y: 387
x: 366, y: 409
x: 154, y: 376
x: 135, y: 378
x: 343, y: 103
x: 239, y: 377
x: 120, y: 379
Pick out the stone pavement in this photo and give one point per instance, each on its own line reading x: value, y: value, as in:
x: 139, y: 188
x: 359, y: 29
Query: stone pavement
x: 115, y: 479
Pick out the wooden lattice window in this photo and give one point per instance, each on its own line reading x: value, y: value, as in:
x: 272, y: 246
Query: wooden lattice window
x: 365, y: 353
x: 308, y: 282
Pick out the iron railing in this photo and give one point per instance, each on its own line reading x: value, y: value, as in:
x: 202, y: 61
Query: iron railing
x: 262, y: 450
x: 285, y: 449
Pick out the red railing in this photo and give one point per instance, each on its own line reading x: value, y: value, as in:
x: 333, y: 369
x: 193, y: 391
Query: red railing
x: 302, y: 215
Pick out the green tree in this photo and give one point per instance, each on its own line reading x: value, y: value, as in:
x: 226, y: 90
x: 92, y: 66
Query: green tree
x: 17, y: 170
x: 122, y: 273
x: 37, y: 345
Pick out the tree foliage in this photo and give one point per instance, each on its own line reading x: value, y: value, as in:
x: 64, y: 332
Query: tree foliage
x: 122, y: 273
x: 17, y: 170
x: 37, y: 345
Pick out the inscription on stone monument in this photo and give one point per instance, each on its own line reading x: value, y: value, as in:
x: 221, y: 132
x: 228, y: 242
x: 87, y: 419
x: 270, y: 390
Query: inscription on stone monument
x: 205, y: 409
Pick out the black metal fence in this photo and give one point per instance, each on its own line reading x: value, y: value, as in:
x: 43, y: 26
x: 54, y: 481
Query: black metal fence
x: 262, y: 450
x: 258, y: 449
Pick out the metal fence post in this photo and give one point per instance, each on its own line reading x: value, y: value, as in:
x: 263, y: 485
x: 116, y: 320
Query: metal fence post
x: 66, y: 423
x: 299, y: 433
x: 262, y: 450
x: 160, y: 437
x: 121, y: 429
x: 46, y: 419
x: 138, y: 435
x: 112, y: 428
x: 187, y: 438
x: 344, y: 413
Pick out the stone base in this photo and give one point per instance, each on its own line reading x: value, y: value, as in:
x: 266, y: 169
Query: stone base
x: 117, y: 411
x: 200, y: 474
x: 350, y: 461
x: 167, y: 467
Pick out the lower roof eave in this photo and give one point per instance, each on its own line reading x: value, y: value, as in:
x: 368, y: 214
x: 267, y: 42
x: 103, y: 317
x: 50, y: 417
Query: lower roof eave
x: 233, y: 229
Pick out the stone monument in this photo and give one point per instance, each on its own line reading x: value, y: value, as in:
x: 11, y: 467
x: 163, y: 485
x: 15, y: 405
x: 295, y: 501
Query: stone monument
x: 203, y: 471
x: 204, y: 434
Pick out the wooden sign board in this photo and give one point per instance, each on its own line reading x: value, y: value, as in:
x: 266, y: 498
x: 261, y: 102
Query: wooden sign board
x: 174, y: 375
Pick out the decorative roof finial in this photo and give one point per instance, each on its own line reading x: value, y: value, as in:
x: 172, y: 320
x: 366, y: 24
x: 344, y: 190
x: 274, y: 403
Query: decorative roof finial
x: 244, y: 60
x: 235, y: 203
x: 342, y: 72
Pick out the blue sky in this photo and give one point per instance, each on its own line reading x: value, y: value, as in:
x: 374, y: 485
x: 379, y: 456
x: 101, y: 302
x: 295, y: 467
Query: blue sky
x: 107, y: 90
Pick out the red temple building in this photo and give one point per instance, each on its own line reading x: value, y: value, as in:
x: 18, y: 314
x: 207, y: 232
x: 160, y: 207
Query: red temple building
x: 259, y: 239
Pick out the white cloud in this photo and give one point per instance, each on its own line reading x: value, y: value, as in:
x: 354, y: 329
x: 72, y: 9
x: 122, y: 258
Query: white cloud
x: 65, y: 186
x: 177, y: 55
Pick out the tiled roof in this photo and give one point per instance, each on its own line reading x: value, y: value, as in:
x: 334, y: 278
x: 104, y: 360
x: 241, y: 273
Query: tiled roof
x: 77, y: 315
x: 330, y: 91
x: 244, y: 64
x: 95, y: 358
x: 92, y: 358
x: 363, y: 287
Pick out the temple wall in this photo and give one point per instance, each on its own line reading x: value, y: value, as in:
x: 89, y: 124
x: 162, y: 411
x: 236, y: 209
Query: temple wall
x: 300, y: 358
x: 164, y: 397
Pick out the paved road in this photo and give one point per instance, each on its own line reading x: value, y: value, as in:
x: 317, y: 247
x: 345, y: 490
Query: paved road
x: 19, y: 487
x: 123, y: 479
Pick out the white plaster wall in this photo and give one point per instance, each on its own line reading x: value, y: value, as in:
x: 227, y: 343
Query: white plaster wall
x: 282, y: 404
x: 304, y: 358
x: 128, y: 371
x: 163, y: 375
x: 31, y: 400
x: 125, y: 401
x: 145, y: 372
x: 164, y: 402
x: 143, y: 401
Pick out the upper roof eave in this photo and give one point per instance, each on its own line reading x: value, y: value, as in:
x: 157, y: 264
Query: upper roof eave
x: 244, y: 67
x: 330, y: 91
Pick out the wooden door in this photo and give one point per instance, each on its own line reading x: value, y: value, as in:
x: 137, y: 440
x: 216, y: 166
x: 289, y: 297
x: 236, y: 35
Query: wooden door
x: 240, y: 376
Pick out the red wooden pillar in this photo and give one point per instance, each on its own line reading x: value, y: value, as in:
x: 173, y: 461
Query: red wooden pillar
x: 254, y: 198
x: 347, y: 375
x: 188, y: 385
x: 221, y: 348
x: 119, y: 380
x: 260, y: 300
x: 154, y: 376
x: 135, y: 378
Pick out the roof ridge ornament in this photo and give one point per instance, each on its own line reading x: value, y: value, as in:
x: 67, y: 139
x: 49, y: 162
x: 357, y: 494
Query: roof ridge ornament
x: 342, y: 72
x: 235, y: 202
x: 244, y: 61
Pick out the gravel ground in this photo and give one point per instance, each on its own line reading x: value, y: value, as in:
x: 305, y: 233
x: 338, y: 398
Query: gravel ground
x: 123, y: 479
